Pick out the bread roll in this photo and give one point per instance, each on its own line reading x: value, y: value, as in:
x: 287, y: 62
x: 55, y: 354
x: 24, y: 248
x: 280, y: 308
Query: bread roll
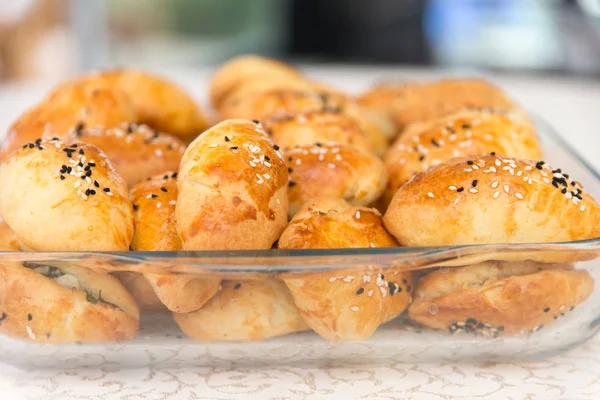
x: 413, y: 102
x: 465, y: 133
x: 244, y: 311
x: 154, y: 204
x: 62, y: 303
x: 136, y: 151
x: 320, y: 126
x: 67, y: 106
x: 334, y: 170
x: 491, y: 199
x: 232, y: 189
x: 344, y: 305
x: 498, y: 298
x: 65, y: 196
x: 8, y: 239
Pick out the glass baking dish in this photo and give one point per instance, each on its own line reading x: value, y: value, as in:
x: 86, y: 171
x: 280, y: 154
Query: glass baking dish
x: 160, y: 341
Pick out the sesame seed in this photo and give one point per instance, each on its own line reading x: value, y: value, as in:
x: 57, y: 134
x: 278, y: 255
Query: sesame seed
x: 506, y: 188
x: 430, y: 195
x: 173, y: 202
x: 267, y: 176
x: 332, y: 279
x: 370, y: 293
x: 473, y: 190
x: 496, y: 194
x: 495, y: 184
x: 354, y: 308
x: 348, y: 279
x: 452, y: 187
x: 371, y: 244
x: 498, y: 163
x: 366, y: 278
x: 582, y: 208
x: 456, y: 201
x: 158, y: 205
x: 468, y: 169
x: 493, y: 169
x: 30, y: 332
x: 519, y: 195
x: 331, y: 165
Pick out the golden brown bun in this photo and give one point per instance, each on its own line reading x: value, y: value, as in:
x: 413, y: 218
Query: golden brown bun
x: 8, y: 239
x: 48, y: 205
x: 334, y: 170
x: 344, y: 305
x: 247, y: 68
x: 158, y: 102
x: 321, y: 126
x: 67, y: 106
x: 141, y: 291
x: 498, y: 298
x: 491, y: 199
x: 408, y: 103
x: 136, y: 151
x: 79, y: 306
x: 154, y: 203
x: 232, y: 189
x: 244, y: 311
x: 465, y: 133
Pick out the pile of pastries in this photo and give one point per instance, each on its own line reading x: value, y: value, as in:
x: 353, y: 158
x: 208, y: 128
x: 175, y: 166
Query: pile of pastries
x: 123, y: 160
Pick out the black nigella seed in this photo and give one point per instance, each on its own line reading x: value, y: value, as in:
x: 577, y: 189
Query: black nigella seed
x: 29, y: 317
x: 360, y: 291
x: 255, y: 121
x: 87, y: 192
x: 267, y: 158
x: 92, y: 192
x: 466, y: 126
x: 107, y: 190
x: 479, y: 325
x: 174, y: 175
x: 130, y: 128
x: 471, y: 321
x: 227, y: 138
x: 470, y: 162
x: 164, y: 189
x: 80, y: 164
x: 88, y: 173
x: 546, y: 309
x: 318, y: 144
x: 500, y: 328
x: 276, y: 147
x: 62, y: 177
x: 166, y: 177
x: 292, y: 184
x: 408, y: 289
x: 290, y: 158
x: 474, y: 183
x: 154, y: 195
x: 290, y: 170
x: 96, y: 184
x: 435, y: 143
x: 564, y: 191
x: 493, y: 153
x: 572, y: 308
x: 135, y: 207
x: 404, y: 281
x: 460, y: 189
x: 3, y: 317
x: 73, y: 146
x: 233, y: 148
x: 421, y: 157
x: 555, y: 184
x: 237, y: 286
x: 81, y: 151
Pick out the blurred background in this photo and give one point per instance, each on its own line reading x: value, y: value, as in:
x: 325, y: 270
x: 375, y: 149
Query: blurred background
x: 51, y: 39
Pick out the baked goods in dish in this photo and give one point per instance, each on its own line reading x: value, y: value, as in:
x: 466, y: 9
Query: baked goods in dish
x: 66, y: 107
x: 65, y: 196
x: 499, y: 298
x: 411, y: 102
x: 344, y: 305
x: 154, y: 204
x: 232, y: 189
x: 333, y: 170
x: 136, y: 151
x: 142, y: 292
x: 465, y: 133
x: 319, y: 126
x: 246, y: 310
x: 491, y: 199
x: 62, y: 303
x: 8, y: 239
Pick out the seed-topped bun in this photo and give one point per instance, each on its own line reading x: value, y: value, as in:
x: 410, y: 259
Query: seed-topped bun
x: 65, y: 196
x: 232, y: 189
x: 344, y: 305
x: 465, y: 133
x: 154, y: 203
x: 247, y: 68
x: 67, y: 106
x: 319, y: 126
x: 244, y: 311
x: 62, y: 303
x: 413, y: 102
x: 498, y: 298
x: 8, y: 239
x: 334, y: 170
x: 491, y: 199
x: 136, y: 151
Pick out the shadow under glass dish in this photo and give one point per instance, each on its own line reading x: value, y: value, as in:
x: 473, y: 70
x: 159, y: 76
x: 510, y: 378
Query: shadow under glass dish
x: 160, y: 342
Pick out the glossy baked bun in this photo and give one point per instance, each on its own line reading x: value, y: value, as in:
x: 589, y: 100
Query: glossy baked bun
x: 137, y: 285
x: 344, y: 305
x: 8, y: 239
x: 412, y: 102
x: 465, y: 133
x: 248, y: 68
x: 320, y: 126
x: 154, y: 204
x: 65, y: 196
x: 498, y: 298
x: 67, y: 106
x: 61, y: 303
x: 232, y: 189
x: 491, y: 199
x: 158, y: 102
x: 244, y: 311
x: 136, y: 151
x: 334, y: 170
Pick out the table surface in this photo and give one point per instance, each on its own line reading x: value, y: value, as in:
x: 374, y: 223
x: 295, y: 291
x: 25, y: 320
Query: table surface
x: 571, y: 106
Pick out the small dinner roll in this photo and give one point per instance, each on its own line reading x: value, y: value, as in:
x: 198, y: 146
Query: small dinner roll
x: 8, y: 239
x: 154, y: 204
x: 62, y: 303
x: 232, y: 189
x: 319, y: 126
x: 465, y: 133
x: 334, y: 170
x: 136, y: 151
x: 67, y: 106
x: 65, y: 196
x: 491, y: 199
x: 412, y: 102
x: 499, y: 298
x: 137, y: 285
x: 344, y: 305
x: 247, y: 68
x: 244, y: 311
x: 158, y: 102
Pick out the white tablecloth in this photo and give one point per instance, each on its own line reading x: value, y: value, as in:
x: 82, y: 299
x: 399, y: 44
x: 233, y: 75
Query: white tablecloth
x: 571, y: 106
